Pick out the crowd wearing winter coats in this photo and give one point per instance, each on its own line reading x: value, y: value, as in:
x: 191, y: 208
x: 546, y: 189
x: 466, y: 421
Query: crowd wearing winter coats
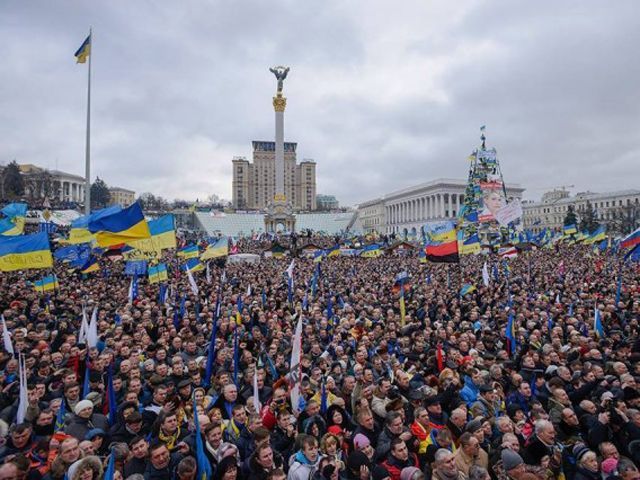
x: 509, y: 381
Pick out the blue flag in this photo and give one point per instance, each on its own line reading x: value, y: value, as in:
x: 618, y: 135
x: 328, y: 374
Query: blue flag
x: 110, y: 472
x: 86, y: 388
x: 62, y: 411
x: 204, y: 467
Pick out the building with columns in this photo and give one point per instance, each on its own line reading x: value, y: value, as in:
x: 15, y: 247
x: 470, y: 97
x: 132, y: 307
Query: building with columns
x: 411, y: 207
x: 619, y: 211
x: 53, y: 184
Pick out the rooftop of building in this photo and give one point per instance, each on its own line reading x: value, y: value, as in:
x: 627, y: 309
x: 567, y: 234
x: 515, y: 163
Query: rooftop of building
x: 583, y: 196
x: 439, y: 182
x: 121, y: 189
x: 29, y: 168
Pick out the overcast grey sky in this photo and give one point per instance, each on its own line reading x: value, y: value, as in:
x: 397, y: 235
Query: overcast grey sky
x: 382, y: 94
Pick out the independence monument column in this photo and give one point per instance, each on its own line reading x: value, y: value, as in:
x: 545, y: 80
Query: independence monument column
x: 280, y: 211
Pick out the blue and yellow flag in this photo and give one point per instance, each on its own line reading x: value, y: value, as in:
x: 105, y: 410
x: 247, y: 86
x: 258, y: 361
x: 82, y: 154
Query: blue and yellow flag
x: 371, y: 251
x: 46, y: 284
x: 125, y: 226
x: 84, y: 51
x: 15, y: 214
x: 597, y: 236
x: 24, y: 252
x: 163, y: 235
x: 218, y: 249
x: 467, y: 288
x: 190, y: 251
x: 193, y: 265
x: 91, y: 265
x: 158, y: 273
x: 569, y: 229
x: 469, y: 246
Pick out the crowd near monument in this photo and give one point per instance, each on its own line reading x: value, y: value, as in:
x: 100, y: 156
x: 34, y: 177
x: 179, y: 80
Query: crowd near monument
x: 437, y: 335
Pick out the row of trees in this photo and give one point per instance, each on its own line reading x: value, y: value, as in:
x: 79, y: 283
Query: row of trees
x: 624, y: 219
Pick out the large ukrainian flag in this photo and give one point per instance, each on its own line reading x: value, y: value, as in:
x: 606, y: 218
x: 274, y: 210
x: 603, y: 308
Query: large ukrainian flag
x: 84, y: 51
x: 125, y: 226
x: 216, y: 250
x: 24, y: 252
x: 80, y: 226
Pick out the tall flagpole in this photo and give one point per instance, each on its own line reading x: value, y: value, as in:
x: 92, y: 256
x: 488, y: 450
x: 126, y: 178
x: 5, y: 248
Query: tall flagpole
x: 87, y: 167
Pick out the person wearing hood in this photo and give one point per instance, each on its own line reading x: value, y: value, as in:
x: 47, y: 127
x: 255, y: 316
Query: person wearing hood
x: 85, y: 420
x: 303, y: 463
x: 87, y: 468
x: 398, y: 458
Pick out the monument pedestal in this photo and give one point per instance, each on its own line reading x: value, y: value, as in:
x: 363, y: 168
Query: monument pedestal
x: 279, y: 216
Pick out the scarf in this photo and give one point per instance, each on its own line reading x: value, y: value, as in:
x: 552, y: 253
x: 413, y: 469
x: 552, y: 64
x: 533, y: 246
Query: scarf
x: 169, y: 440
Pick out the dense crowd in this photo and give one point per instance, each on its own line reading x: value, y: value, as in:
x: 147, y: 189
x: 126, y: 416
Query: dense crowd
x: 437, y: 393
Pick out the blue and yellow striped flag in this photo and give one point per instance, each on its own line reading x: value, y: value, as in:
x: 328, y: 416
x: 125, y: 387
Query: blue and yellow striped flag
x: 46, y: 284
x: 121, y: 227
x: 158, y: 273
x: 84, y: 51
x: 25, y: 251
x: 190, y: 251
x: 218, y: 249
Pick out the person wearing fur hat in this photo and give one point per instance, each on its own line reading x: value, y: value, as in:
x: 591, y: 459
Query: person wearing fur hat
x: 88, y: 468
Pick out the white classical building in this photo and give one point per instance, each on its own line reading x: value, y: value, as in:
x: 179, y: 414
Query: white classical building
x: 411, y: 207
x: 55, y: 184
x: 608, y: 207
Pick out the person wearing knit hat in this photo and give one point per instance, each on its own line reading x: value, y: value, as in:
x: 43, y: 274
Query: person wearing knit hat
x: 609, y: 466
x: 380, y: 473
x: 356, y: 461
x: 411, y: 473
x: 362, y: 443
x: 512, y: 463
x: 82, y: 407
x: 85, y: 420
x: 587, y: 463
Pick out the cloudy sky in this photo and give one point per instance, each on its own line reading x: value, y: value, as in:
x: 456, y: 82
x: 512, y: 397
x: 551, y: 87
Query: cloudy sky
x: 382, y: 94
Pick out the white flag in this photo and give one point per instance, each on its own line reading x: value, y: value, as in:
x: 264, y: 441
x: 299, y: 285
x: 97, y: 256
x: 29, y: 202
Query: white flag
x: 296, y: 371
x: 6, y: 338
x: 249, y: 290
x: 24, y: 399
x: 92, y: 331
x: 192, y: 283
x: 256, y: 395
x: 223, y: 277
x: 485, y: 275
x: 84, y: 327
x: 290, y: 269
x: 208, y: 273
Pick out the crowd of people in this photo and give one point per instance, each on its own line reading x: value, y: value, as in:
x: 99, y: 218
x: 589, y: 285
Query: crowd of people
x: 441, y: 391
